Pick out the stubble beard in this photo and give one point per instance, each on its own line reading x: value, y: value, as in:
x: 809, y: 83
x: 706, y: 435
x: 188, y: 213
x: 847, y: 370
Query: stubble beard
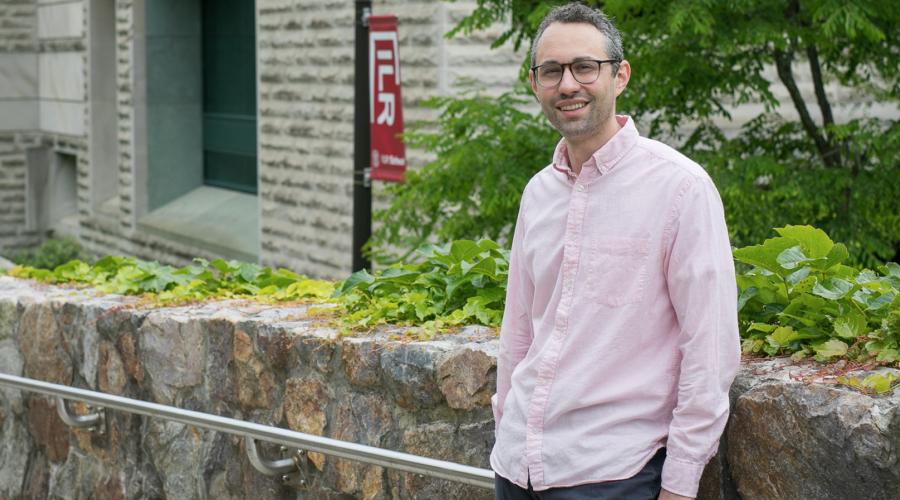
x: 588, y: 126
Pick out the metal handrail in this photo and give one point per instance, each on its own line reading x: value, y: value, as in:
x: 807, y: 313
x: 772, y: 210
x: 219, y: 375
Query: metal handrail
x: 483, y: 478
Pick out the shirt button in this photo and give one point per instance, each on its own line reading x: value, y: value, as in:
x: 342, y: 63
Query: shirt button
x: 579, y: 188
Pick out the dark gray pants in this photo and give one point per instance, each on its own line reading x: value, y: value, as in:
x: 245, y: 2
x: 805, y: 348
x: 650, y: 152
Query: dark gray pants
x: 645, y: 485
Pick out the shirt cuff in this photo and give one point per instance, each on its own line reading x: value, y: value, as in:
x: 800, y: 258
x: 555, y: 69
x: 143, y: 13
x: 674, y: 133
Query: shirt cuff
x: 680, y: 477
x: 495, y: 407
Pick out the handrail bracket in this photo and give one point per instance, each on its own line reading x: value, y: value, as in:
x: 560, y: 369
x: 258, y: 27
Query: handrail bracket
x: 94, y: 421
x: 292, y: 467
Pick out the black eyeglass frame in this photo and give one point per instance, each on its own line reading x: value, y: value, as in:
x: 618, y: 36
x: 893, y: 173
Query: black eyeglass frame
x: 600, y: 63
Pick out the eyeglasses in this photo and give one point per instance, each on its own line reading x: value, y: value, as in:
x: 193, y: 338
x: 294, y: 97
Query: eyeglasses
x: 584, y: 71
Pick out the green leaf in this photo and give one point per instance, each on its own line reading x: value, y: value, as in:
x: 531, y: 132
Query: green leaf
x: 814, y: 241
x: 486, y: 266
x: 766, y: 255
x: 310, y: 289
x: 892, y: 269
x: 834, y: 289
x: 761, y: 327
x: 359, y: 279
x: 851, y: 325
x: 836, y: 255
x: 798, y: 275
x: 784, y: 335
x: 221, y: 265
x: 463, y: 250
x: 830, y: 349
x: 791, y: 258
x: 881, y: 301
x: 880, y: 383
x: 888, y: 356
x: 248, y: 271
x: 866, y: 276
x: 74, y: 270
x: 746, y: 295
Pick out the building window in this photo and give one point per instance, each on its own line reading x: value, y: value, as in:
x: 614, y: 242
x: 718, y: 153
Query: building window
x: 229, y: 94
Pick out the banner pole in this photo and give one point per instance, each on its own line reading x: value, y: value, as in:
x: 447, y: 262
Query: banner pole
x: 362, y: 184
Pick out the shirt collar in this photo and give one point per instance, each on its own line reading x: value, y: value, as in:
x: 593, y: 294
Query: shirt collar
x: 605, y: 158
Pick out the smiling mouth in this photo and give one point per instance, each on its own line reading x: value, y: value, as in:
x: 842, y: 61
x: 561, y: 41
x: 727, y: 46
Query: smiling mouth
x: 573, y: 107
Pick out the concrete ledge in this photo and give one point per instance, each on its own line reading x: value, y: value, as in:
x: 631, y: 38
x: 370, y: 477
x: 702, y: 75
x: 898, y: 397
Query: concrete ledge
x: 225, y: 222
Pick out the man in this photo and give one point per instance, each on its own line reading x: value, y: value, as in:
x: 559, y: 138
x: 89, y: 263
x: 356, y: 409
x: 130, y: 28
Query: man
x: 619, y: 340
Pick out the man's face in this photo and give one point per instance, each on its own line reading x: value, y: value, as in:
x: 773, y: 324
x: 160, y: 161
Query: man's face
x: 577, y: 110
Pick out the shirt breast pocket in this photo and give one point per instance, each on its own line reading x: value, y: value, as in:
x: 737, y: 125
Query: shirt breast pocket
x: 618, y: 270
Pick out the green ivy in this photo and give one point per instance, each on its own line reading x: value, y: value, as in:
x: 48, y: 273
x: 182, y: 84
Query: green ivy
x: 800, y: 298
x: 797, y: 295
x: 463, y: 282
x: 199, y: 281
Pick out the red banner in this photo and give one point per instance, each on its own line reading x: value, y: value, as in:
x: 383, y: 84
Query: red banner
x: 385, y: 106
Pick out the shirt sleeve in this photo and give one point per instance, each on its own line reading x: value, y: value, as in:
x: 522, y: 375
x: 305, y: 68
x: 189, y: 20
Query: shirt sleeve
x: 702, y: 289
x: 515, y: 330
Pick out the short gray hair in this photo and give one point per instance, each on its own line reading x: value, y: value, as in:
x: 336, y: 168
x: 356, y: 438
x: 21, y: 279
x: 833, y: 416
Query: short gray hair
x: 579, y: 13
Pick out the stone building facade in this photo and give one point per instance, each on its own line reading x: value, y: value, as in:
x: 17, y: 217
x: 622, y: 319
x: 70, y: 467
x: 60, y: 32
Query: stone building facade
x: 99, y: 135
x: 103, y: 122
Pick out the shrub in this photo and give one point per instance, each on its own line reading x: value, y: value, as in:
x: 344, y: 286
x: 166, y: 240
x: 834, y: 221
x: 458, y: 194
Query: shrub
x: 48, y: 255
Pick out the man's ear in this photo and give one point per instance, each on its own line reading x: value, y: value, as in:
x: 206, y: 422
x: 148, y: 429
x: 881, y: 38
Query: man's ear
x: 534, y: 89
x: 622, y: 76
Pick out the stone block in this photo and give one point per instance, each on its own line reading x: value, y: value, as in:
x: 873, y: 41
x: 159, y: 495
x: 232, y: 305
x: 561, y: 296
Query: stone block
x: 49, y: 432
x: 15, y: 448
x: 108, y: 487
x: 220, y: 364
x: 64, y: 20
x: 37, y: 481
x: 362, y: 419
x: 409, y: 375
x: 361, y: 359
x: 313, y: 352
x: 133, y: 367
x: 62, y: 76
x: 254, y: 381
x: 61, y: 117
x: 305, y: 403
x: 42, y: 345
x: 445, y: 441
x: 11, y: 364
x: 18, y: 75
x: 276, y: 344
x: 814, y: 441
x: 9, y: 319
x: 86, y: 339
x: 468, y: 379
x: 111, y: 376
x: 177, y: 452
x: 172, y: 354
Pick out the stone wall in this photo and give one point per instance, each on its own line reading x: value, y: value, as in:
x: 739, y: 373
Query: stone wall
x: 786, y: 438
x: 39, y: 39
x: 272, y: 366
x: 13, y: 230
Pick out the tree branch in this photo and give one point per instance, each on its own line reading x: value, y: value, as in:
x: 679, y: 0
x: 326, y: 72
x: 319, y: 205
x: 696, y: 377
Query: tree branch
x: 813, y: 55
x: 783, y: 65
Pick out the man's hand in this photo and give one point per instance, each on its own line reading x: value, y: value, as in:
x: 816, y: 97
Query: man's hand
x: 668, y: 495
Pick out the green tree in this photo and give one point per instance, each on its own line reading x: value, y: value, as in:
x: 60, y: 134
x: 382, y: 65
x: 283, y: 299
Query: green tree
x: 486, y: 149
x: 693, y: 59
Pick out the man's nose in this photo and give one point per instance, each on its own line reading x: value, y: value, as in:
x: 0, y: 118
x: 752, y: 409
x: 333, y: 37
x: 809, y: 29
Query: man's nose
x: 568, y: 83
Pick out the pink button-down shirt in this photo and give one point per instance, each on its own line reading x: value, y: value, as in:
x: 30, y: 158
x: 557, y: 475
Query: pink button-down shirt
x: 620, y: 331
